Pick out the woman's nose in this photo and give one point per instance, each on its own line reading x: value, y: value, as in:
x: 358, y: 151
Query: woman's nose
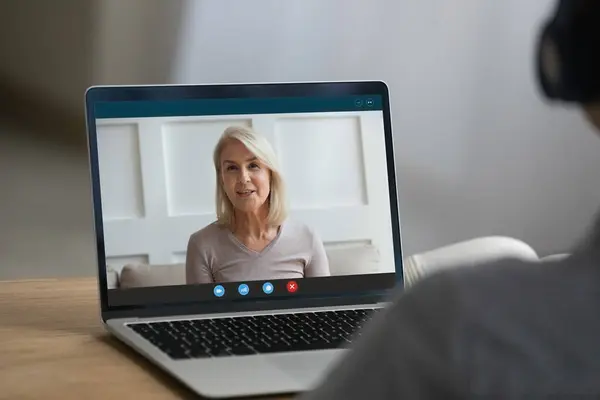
x: 243, y: 176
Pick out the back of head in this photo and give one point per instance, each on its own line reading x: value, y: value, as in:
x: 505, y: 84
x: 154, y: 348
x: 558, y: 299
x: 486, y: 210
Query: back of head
x: 568, y: 56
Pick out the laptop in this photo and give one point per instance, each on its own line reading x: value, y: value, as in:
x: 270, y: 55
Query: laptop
x: 184, y: 177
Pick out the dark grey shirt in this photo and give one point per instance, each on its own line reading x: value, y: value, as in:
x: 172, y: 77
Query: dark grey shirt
x: 509, y: 330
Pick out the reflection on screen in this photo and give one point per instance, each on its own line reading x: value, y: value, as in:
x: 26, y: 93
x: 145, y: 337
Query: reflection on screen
x: 211, y: 199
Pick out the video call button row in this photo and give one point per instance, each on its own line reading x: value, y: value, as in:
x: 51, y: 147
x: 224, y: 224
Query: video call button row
x: 243, y: 289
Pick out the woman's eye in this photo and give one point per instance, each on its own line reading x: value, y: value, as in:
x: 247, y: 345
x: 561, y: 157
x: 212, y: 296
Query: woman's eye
x: 231, y: 168
x: 253, y: 166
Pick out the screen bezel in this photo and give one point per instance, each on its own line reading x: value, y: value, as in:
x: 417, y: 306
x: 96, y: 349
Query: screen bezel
x: 97, y: 94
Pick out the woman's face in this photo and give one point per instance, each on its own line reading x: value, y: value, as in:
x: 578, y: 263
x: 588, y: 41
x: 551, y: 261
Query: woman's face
x: 246, y: 179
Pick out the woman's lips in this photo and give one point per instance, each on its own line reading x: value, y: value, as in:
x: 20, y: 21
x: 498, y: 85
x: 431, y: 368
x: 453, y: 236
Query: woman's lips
x: 245, y: 193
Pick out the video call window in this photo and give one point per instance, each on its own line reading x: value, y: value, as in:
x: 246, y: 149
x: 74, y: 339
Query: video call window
x: 176, y: 190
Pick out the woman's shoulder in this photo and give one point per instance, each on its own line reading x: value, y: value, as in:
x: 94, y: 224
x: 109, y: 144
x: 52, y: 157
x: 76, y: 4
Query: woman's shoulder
x: 209, y: 234
x: 296, y: 228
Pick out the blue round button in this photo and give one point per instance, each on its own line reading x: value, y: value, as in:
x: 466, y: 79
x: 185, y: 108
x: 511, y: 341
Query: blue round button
x: 219, y: 291
x: 243, y: 289
x: 267, y: 287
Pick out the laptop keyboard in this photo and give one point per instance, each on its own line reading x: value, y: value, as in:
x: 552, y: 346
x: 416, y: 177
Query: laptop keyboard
x: 239, y: 336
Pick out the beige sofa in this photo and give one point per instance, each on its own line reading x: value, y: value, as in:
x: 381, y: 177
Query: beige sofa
x: 361, y: 260
x: 343, y: 260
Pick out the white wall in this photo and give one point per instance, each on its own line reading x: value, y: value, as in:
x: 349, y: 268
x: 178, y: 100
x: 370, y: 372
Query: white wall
x: 478, y: 152
x: 158, y: 183
x: 56, y: 49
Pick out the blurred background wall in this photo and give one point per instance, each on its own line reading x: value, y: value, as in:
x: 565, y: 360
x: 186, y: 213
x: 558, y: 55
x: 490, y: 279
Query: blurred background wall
x: 478, y: 150
x: 51, y: 51
x: 46, y: 55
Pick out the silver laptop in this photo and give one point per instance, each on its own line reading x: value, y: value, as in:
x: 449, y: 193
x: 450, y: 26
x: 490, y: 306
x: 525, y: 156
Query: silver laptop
x: 246, y: 233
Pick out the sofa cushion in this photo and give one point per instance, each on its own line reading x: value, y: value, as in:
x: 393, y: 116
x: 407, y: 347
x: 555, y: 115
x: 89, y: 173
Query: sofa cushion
x: 142, y: 275
x: 353, y: 259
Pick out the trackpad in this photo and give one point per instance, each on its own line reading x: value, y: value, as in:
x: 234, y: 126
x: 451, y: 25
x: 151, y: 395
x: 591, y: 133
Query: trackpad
x: 307, y: 368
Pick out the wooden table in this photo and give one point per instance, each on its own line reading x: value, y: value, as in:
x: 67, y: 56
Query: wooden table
x: 53, y: 346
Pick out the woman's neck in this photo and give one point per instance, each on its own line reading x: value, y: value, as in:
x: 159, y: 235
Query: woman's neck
x: 252, y: 225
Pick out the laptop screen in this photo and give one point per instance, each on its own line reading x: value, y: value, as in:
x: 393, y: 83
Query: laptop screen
x: 239, y: 198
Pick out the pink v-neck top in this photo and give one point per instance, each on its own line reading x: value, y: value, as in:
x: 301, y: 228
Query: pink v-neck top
x: 214, y: 254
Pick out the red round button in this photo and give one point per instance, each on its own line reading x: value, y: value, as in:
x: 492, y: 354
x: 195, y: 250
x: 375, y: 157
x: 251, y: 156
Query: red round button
x: 292, y: 286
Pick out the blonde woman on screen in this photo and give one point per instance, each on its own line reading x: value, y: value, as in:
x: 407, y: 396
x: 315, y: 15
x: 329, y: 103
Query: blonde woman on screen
x: 252, y: 238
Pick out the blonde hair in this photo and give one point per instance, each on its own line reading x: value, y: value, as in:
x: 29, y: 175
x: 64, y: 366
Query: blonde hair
x: 262, y: 149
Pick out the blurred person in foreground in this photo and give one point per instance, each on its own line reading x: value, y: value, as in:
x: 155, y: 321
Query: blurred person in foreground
x: 508, y: 330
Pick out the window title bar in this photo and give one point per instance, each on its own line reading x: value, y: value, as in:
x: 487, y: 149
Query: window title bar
x: 233, y: 106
